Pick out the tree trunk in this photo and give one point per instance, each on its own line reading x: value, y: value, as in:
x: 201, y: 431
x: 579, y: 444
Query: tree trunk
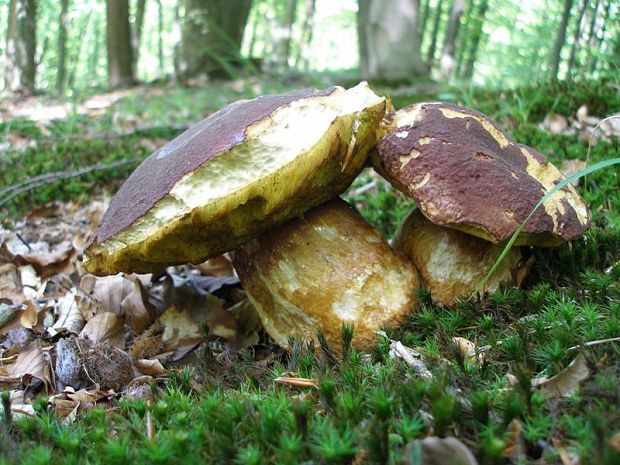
x: 281, y: 30
x: 307, y: 29
x: 424, y: 8
x: 78, y: 55
x: 120, y: 68
x: 446, y: 63
x: 94, y: 58
x: 559, y: 40
x: 160, y: 37
x: 20, y: 64
x: 430, y: 58
x: 136, y: 31
x: 211, y: 36
x: 579, y: 29
x: 474, y: 44
x: 390, y: 39
x: 596, y: 40
x: 463, y: 36
x: 62, y: 46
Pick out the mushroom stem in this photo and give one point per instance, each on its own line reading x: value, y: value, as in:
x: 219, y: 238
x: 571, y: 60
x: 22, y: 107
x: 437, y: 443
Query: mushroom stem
x: 318, y: 272
x: 451, y: 263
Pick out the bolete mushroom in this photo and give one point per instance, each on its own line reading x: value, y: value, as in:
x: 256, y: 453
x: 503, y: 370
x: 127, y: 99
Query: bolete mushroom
x: 452, y: 263
x: 467, y: 174
x: 322, y: 270
x: 241, y: 171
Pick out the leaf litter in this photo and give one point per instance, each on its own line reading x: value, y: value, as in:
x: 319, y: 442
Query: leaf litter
x: 83, y: 340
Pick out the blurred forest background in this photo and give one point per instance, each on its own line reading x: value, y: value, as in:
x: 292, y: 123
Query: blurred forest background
x: 64, y: 46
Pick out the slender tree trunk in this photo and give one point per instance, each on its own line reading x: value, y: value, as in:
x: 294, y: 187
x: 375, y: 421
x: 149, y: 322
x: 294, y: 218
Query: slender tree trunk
x: 160, y: 37
x: 94, y: 58
x: 292, y: 13
x: 391, y: 40
x: 597, y: 39
x: 559, y: 40
x: 78, y: 55
x: 306, y: 34
x: 463, y: 36
x: 474, y: 44
x: 446, y: 63
x: 212, y: 35
x: 136, y: 31
x: 430, y: 59
x: 254, y: 34
x: 424, y: 7
x: 363, y: 19
x: 62, y: 45
x: 20, y: 64
x: 579, y: 29
x: 178, y: 41
x: 120, y: 69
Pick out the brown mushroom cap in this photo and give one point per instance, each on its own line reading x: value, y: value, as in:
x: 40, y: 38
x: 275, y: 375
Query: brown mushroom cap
x: 322, y: 270
x: 452, y: 263
x: 466, y: 173
x: 239, y: 172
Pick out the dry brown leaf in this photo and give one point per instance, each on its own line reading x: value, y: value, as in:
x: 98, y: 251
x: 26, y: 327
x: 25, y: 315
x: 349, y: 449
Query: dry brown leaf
x: 515, y: 447
x: 410, y: 356
x: 566, y: 381
x: 32, y: 285
x: 181, y: 331
x: 296, y: 382
x: 149, y: 367
x: 59, y: 259
x: 120, y: 294
x: 106, y: 326
x: 10, y: 283
x: 69, y: 317
x: 438, y: 451
x: 33, y: 316
x: 218, y: 266
x: 555, y: 123
x: 570, y: 167
x: 32, y: 362
x: 468, y: 349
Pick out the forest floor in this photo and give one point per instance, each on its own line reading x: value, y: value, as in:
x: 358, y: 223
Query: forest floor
x: 192, y: 378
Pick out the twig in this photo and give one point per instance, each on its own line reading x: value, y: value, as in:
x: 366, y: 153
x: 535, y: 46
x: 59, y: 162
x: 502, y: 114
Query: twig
x: 595, y: 343
x: 363, y: 189
x: 48, y: 178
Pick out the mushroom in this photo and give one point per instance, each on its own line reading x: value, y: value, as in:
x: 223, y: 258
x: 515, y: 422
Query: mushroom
x: 322, y: 270
x: 452, y: 263
x: 241, y: 171
x: 467, y: 174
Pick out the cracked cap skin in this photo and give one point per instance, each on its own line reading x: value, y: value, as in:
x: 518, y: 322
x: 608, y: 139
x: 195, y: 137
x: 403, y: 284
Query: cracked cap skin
x: 464, y: 172
x: 241, y: 171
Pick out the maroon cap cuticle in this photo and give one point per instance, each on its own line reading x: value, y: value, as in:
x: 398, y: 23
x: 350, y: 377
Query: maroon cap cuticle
x: 157, y: 174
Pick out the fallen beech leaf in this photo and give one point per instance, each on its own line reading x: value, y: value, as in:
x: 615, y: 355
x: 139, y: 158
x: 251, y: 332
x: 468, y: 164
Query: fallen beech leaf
x: 584, y: 118
x: 468, y: 349
x: 48, y: 262
x: 32, y: 285
x: 31, y: 361
x: 69, y: 317
x: 7, y: 313
x: 438, y: 451
x: 566, y: 381
x: 570, y: 167
x: 410, y: 356
x: 10, y: 283
x: 105, y: 327
x: 33, y: 316
x: 120, y: 294
x: 149, y: 367
x: 515, y: 447
x: 218, y: 266
x: 182, y: 332
x: 296, y: 382
x: 555, y: 123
